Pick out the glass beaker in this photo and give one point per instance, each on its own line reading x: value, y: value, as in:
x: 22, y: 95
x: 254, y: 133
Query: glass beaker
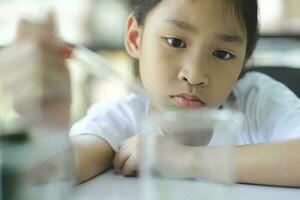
x: 188, y: 154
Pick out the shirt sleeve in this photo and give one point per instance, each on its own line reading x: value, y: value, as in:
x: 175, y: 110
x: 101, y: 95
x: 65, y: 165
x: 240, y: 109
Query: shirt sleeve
x: 282, y: 112
x: 113, y: 122
x: 272, y: 110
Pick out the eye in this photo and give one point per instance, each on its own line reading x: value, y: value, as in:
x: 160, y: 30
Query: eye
x: 175, y: 42
x: 223, y: 55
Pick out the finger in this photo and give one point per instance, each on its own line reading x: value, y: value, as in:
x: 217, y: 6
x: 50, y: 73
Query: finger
x: 129, y: 141
x: 54, y: 78
x: 120, y: 159
x: 125, y: 146
x: 50, y: 24
x: 130, y: 167
x: 125, y: 142
x: 28, y: 30
x: 44, y: 33
x: 24, y: 28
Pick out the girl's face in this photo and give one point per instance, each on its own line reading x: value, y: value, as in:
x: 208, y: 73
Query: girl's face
x: 191, y: 54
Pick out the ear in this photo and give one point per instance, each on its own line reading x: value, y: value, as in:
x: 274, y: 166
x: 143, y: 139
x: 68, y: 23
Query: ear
x: 133, y: 36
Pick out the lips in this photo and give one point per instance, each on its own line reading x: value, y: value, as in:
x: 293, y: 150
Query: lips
x: 187, y: 101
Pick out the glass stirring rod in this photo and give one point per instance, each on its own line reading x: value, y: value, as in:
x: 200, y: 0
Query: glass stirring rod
x: 99, y: 67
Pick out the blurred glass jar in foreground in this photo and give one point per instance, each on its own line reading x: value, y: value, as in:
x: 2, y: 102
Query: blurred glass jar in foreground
x: 36, y: 170
x: 181, y: 158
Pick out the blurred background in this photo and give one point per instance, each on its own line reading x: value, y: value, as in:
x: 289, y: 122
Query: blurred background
x: 99, y: 25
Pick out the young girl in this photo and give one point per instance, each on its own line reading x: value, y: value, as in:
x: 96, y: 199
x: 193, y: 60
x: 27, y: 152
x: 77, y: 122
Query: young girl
x: 191, y: 54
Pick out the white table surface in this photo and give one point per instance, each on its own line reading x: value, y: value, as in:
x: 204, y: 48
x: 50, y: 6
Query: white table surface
x: 112, y: 186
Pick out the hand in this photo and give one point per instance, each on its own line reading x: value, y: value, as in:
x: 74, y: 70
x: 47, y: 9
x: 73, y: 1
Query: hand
x: 171, y: 159
x: 34, y: 72
x: 175, y: 160
x: 127, y: 157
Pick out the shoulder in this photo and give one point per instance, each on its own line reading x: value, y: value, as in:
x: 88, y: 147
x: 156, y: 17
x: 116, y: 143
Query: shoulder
x: 258, y: 81
x: 113, y: 120
x: 270, y: 108
x: 121, y: 113
x: 256, y: 87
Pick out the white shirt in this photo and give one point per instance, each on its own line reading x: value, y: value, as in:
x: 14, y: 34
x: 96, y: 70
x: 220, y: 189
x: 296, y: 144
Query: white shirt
x: 272, y: 113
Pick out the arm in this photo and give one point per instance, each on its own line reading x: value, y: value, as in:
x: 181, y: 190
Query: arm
x: 268, y: 164
x: 276, y: 163
x: 93, y: 156
x: 271, y: 164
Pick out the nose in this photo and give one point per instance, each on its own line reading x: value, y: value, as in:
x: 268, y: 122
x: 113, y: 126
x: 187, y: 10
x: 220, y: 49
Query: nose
x: 193, y: 73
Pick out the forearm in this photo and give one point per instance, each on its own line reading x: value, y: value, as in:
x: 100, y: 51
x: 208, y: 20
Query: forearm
x: 93, y: 156
x: 268, y: 164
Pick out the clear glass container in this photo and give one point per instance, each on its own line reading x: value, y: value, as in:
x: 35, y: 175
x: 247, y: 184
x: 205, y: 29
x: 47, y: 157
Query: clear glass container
x: 188, y: 154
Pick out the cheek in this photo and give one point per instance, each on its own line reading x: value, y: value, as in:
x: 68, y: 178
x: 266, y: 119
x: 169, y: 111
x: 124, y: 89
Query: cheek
x: 223, y: 81
x: 157, y: 66
x: 226, y: 86
x: 157, y: 75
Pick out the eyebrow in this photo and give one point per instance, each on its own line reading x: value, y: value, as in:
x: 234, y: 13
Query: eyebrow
x: 221, y: 36
x: 229, y: 38
x: 182, y: 25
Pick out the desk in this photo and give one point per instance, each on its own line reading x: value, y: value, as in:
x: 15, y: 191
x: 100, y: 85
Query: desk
x: 110, y: 186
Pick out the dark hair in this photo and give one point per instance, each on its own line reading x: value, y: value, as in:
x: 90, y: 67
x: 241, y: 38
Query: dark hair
x: 246, y: 10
